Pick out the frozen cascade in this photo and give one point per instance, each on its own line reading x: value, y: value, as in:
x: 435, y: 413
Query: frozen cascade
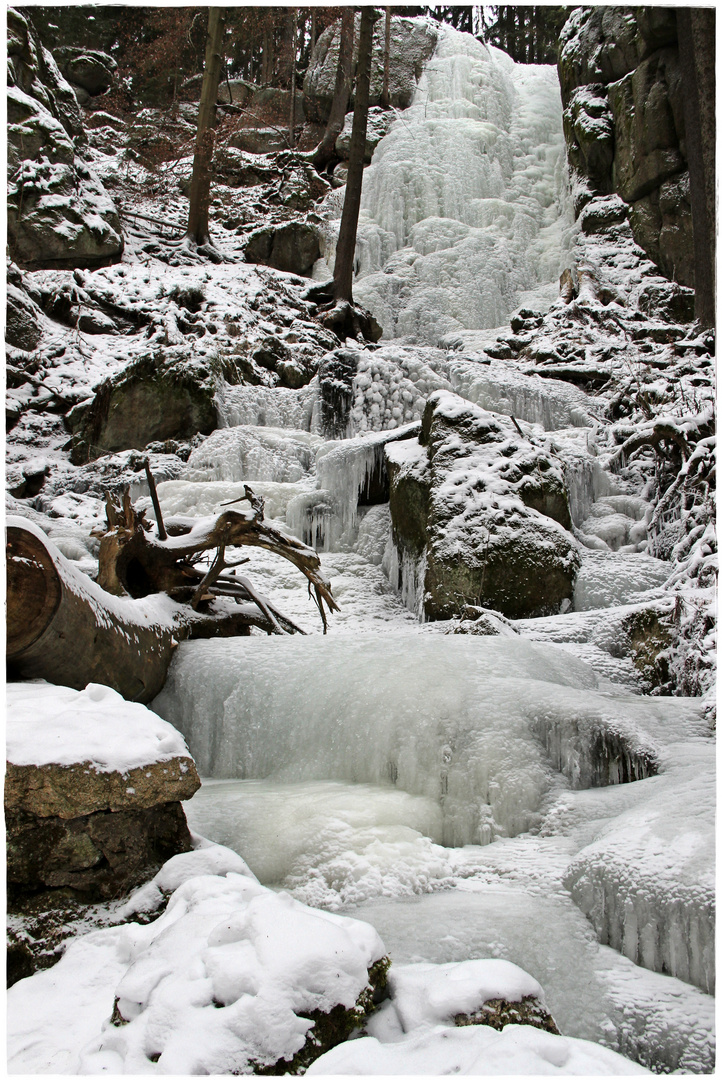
x: 474, y: 746
x: 266, y: 406
x: 460, y: 213
x: 279, y: 455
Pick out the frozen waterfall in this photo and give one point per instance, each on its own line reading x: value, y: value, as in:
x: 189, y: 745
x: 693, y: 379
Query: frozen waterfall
x: 480, y: 782
x: 461, y: 217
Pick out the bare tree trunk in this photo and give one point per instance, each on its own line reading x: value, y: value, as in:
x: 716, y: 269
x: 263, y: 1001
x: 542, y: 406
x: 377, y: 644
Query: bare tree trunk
x: 326, y: 149
x: 346, y: 246
x: 264, y: 59
x: 696, y: 32
x: 200, y: 194
x: 313, y: 29
x: 387, y: 59
x: 292, y: 118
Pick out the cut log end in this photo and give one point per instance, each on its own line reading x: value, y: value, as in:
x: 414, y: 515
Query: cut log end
x: 34, y: 590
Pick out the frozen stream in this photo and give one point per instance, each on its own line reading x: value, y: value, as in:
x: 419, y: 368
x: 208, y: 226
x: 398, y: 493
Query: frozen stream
x: 460, y: 793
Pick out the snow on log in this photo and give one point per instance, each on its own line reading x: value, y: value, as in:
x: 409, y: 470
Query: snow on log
x: 63, y: 627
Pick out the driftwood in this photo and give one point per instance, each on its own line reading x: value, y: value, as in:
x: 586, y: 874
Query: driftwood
x: 65, y: 628
x: 135, y: 560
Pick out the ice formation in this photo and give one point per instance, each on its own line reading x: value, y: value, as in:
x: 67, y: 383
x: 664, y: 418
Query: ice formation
x: 460, y: 221
x: 475, y: 747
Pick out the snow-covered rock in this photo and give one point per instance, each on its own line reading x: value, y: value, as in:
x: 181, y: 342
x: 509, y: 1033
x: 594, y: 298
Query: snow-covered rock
x: 231, y: 977
x: 412, y: 44
x: 92, y: 789
x: 59, y: 213
x: 379, y: 122
x: 490, y: 511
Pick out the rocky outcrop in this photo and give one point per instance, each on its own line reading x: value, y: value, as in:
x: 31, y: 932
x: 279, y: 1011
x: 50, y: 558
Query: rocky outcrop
x: 412, y: 43
x: 293, y: 247
x: 149, y: 401
x: 107, y: 810
x: 622, y: 93
x: 59, y: 214
x: 89, y: 72
x: 487, y: 510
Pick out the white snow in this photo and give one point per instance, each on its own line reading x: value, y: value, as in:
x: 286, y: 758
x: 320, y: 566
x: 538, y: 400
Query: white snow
x: 516, y: 1050
x: 49, y: 724
x: 225, y: 976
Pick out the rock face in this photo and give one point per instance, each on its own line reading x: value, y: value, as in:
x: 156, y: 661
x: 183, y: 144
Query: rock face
x: 293, y: 247
x: 622, y: 92
x: 487, y: 510
x: 412, y: 43
x: 59, y: 214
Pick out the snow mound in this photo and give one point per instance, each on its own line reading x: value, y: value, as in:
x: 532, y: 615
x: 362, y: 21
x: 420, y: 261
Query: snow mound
x: 476, y: 1051
x: 226, y: 977
x: 49, y: 724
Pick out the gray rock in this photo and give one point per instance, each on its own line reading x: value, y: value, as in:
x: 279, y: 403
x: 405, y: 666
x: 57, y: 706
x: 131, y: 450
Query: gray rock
x: 293, y: 247
x: 59, y: 214
x: 379, y: 122
x: 259, y: 140
x: 648, y: 126
x: 412, y: 44
x: 597, y: 45
x: 101, y: 855
x: 624, y: 127
x: 589, y: 132
x: 150, y: 401
x: 88, y: 69
x: 23, y: 327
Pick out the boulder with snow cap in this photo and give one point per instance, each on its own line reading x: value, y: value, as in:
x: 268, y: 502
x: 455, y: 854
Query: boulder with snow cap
x: 490, y: 511
x: 92, y: 790
x: 234, y: 978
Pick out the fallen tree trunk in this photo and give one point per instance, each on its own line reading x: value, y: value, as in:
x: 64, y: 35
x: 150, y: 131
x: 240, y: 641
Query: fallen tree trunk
x: 62, y: 627
x: 68, y: 629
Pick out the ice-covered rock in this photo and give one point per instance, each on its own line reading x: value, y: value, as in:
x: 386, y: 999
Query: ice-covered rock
x: 647, y: 882
x: 475, y: 745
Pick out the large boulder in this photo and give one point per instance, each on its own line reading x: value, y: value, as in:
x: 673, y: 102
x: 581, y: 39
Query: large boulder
x: 92, y: 790
x: 293, y: 247
x: 151, y: 400
x: 487, y: 509
x: 412, y: 44
x: 89, y: 71
x: 59, y: 214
